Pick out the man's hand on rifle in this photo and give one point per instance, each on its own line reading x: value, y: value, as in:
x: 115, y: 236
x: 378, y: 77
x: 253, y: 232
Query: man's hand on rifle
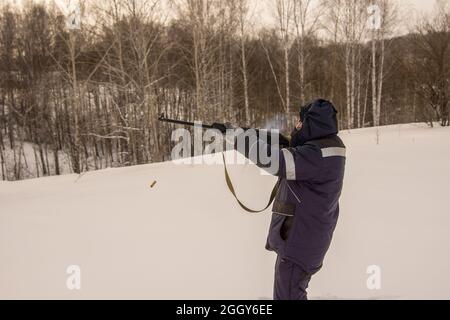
x: 223, y: 127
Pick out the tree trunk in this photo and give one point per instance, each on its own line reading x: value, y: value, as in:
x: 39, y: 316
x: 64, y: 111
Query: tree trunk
x: 374, y: 82
x: 380, y: 79
x: 76, y: 149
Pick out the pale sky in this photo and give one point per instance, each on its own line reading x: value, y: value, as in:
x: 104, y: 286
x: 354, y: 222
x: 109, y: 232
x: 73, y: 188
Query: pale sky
x: 422, y: 5
x: 262, y: 10
x: 410, y: 10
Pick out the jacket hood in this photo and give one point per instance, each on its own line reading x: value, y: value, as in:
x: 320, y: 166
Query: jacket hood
x: 319, y: 120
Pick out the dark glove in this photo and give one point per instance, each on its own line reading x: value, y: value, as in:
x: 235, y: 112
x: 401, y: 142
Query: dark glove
x: 223, y: 127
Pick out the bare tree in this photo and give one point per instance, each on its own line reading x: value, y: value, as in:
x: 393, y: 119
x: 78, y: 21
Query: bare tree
x: 431, y: 60
x: 387, y: 12
x: 243, y: 11
x: 306, y: 24
x: 284, y: 11
x: 350, y: 20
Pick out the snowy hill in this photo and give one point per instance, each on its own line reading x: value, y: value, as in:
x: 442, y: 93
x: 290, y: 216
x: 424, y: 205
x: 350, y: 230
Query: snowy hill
x: 186, y: 237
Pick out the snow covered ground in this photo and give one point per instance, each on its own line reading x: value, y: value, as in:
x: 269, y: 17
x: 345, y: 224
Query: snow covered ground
x: 186, y: 238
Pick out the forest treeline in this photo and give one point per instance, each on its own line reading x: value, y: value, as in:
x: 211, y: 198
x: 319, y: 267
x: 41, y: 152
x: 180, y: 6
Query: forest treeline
x: 94, y: 92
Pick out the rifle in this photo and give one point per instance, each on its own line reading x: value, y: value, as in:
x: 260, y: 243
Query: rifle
x: 222, y: 127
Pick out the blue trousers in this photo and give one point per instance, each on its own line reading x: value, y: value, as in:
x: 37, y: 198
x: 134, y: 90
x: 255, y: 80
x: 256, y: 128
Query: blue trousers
x: 290, y: 282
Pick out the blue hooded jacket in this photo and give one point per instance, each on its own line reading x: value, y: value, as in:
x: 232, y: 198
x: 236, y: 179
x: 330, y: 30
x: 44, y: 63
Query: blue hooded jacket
x: 311, y: 173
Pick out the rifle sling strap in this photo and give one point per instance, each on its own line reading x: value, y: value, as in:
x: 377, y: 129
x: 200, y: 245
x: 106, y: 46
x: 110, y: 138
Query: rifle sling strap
x: 243, y: 206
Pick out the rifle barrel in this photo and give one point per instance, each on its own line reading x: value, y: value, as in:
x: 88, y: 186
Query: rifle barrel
x: 187, y: 123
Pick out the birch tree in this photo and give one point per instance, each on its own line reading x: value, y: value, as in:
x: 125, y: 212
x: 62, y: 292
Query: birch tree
x: 284, y: 12
x: 350, y: 19
x: 381, y: 24
x: 306, y: 23
x: 243, y: 11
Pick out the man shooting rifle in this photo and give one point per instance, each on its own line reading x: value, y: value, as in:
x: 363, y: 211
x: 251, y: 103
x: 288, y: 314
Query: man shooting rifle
x: 306, y: 206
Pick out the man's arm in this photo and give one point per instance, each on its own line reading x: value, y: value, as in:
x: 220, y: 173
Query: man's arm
x: 300, y: 163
